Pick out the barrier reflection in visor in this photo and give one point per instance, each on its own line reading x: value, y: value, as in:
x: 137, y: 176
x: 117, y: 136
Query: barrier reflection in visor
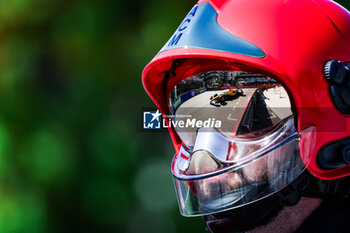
x: 242, y: 104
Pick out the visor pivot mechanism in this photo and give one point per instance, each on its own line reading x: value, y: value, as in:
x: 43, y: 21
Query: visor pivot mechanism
x: 346, y: 154
x: 337, y: 75
x: 336, y: 72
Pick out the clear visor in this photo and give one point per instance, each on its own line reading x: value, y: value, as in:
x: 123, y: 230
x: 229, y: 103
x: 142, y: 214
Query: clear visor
x: 208, y: 186
x: 239, y: 140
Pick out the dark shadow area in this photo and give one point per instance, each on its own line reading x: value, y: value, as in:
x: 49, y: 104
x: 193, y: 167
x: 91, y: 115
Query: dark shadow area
x: 256, y: 117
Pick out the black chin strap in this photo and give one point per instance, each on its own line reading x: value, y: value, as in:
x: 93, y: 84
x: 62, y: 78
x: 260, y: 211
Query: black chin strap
x: 337, y: 203
x: 307, y: 185
x: 324, y: 189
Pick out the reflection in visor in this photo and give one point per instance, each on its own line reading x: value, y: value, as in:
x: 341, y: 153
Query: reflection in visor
x: 246, y: 104
x: 254, y: 151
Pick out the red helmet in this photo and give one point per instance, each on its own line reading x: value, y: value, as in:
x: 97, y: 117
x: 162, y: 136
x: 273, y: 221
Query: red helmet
x: 300, y: 46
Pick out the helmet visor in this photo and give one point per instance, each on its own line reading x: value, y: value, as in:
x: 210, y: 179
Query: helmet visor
x: 239, y: 140
x: 208, y: 186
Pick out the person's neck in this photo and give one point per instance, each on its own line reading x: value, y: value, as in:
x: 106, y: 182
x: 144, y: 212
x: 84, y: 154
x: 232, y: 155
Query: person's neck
x: 290, y: 218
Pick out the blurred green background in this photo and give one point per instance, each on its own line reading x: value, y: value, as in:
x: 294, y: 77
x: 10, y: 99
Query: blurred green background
x: 73, y: 157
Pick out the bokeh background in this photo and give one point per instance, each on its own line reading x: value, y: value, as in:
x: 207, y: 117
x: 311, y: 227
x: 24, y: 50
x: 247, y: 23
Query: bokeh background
x: 73, y: 156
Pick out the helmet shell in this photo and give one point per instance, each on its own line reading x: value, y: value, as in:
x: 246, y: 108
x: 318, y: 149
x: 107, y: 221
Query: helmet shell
x: 297, y: 37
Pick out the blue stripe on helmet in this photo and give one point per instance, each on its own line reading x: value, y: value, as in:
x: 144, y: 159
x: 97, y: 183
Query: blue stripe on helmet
x: 200, y: 30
